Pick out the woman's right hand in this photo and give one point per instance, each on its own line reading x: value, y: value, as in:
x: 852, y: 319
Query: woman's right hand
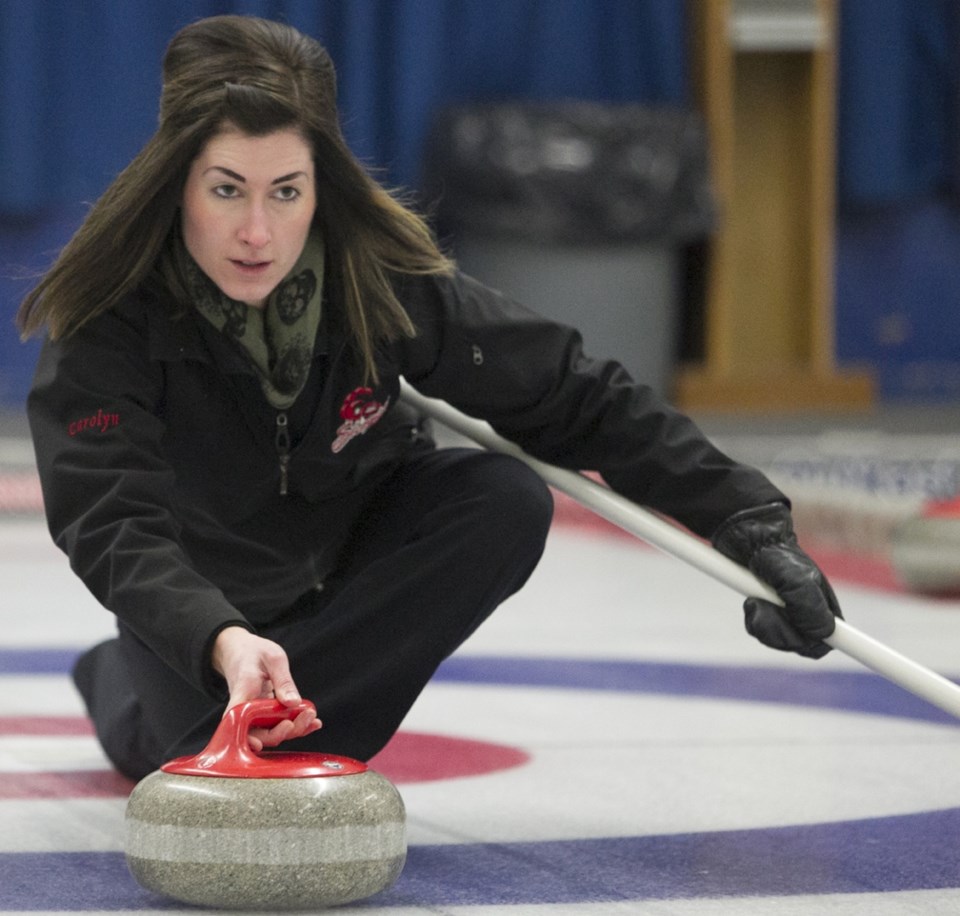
x: 254, y: 668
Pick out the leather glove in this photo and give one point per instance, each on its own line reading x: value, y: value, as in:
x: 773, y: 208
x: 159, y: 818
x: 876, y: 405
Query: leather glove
x: 763, y: 540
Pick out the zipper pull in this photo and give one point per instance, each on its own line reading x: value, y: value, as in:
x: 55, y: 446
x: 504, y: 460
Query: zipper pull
x: 283, y: 449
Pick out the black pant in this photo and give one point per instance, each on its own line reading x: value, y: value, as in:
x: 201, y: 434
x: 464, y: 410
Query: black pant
x: 447, y: 539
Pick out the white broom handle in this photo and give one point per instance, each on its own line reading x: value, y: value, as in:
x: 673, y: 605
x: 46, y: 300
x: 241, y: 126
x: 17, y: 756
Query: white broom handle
x: 897, y: 668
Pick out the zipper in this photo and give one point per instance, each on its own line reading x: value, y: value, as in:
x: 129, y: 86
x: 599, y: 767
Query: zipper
x: 282, y: 441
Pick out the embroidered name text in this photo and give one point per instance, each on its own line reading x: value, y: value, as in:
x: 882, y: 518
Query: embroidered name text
x: 101, y: 421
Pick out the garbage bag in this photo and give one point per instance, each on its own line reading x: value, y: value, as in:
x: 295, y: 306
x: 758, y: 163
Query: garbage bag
x: 570, y: 172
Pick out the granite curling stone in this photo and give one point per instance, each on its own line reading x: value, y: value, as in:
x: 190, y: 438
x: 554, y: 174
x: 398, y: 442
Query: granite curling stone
x: 231, y: 828
x: 924, y: 549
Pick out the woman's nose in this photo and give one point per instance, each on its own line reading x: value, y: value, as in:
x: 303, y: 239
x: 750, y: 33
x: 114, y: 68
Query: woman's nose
x: 255, y: 228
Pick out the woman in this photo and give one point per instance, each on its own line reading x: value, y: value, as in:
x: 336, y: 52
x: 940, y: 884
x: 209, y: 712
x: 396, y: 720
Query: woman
x: 222, y: 451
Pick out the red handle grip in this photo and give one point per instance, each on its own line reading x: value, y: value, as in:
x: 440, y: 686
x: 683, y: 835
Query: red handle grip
x: 241, y: 718
x: 229, y: 753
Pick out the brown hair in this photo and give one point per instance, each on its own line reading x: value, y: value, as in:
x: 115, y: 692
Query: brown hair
x: 258, y: 76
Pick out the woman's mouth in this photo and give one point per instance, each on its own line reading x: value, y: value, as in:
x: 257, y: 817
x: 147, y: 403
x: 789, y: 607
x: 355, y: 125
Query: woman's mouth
x: 250, y: 267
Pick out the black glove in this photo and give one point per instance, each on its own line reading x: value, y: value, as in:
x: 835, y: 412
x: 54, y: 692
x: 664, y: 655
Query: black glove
x: 762, y: 539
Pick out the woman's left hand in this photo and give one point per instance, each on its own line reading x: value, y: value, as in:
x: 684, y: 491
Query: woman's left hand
x: 763, y: 540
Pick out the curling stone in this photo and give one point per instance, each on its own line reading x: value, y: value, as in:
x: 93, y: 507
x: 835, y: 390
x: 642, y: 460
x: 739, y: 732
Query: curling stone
x: 270, y: 831
x: 925, y: 549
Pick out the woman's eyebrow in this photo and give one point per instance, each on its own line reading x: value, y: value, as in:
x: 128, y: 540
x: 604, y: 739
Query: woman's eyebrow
x: 228, y: 173
x: 289, y: 177
x: 239, y: 178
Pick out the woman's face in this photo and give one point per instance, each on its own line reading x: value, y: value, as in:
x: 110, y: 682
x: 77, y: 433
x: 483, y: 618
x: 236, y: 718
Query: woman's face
x: 247, y: 207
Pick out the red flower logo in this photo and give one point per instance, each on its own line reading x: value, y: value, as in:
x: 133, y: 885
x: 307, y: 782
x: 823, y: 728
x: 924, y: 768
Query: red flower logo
x: 359, y: 411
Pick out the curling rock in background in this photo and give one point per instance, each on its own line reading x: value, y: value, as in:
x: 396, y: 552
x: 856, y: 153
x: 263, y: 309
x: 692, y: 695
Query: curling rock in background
x: 925, y: 550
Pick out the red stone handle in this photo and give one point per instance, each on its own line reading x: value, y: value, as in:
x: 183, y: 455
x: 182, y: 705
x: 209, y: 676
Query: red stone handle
x: 229, y: 754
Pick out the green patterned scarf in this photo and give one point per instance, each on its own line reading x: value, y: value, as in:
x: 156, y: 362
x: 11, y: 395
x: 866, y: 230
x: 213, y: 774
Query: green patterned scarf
x: 278, y: 337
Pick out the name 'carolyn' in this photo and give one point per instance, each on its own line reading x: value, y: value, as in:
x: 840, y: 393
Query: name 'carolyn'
x: 100, y: 422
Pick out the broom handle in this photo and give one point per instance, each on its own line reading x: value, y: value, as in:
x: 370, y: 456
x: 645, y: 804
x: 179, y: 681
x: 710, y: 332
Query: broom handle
x: 627, y: 515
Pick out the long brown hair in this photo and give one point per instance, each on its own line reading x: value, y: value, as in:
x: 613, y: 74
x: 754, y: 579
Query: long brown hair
x: 258, y: 76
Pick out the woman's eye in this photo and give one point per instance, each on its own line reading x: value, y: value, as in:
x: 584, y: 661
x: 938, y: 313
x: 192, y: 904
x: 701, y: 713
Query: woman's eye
x: 287, y: 193
x: 225, y: 190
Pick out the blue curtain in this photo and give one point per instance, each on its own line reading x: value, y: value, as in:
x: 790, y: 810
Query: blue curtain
x: 81, y: 78
x: 898, y: 235
x: 899, y: 100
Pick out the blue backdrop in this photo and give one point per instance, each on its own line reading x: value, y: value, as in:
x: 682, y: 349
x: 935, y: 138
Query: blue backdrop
x: 84, y: 79
x: 80, y: 82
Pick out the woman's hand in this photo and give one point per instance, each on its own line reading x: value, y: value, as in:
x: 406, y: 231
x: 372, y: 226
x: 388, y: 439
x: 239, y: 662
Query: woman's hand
x: 254, y: 668
x: 763, y: 540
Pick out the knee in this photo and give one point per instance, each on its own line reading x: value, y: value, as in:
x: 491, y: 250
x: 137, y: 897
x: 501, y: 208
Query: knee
x: 520, y: 503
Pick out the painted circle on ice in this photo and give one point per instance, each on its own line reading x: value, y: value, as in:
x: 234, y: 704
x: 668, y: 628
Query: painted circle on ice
x: 420, y: 757
x: 410, y: 757
x: 639, y: 839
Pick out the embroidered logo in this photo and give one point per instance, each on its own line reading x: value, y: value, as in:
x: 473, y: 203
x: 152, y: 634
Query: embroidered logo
x: 359, y: 412
x: 98, y: 422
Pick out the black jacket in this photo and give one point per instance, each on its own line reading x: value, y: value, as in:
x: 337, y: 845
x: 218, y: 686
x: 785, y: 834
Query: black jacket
x: 162, y: 464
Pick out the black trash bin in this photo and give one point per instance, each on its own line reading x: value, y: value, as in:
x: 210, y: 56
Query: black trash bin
x: 581, y: 211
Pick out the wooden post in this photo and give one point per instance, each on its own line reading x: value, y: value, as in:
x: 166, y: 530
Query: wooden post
x: 765, y: 74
